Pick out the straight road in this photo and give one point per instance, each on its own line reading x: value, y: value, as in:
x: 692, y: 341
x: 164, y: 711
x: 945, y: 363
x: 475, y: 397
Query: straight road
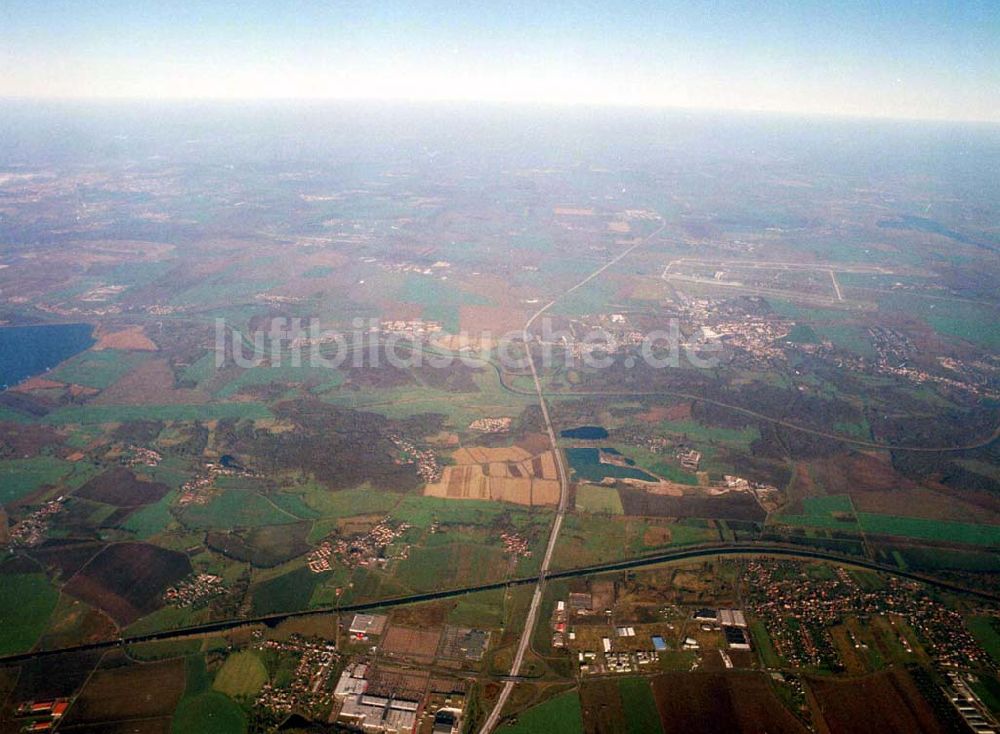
x: 536, y: 598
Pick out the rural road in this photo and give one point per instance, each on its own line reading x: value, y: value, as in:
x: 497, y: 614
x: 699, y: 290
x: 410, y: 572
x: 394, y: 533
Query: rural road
x: 536, y: 598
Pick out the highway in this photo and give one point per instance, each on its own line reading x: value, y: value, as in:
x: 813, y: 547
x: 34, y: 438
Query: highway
x: 687, y: 553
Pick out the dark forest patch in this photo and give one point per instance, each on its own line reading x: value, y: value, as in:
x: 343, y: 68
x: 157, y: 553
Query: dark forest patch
x: 342, y: 448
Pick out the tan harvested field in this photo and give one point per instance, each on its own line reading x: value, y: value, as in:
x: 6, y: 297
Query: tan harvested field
x: 482, y: 455
x: 37, y: 383
x: 79, y: 391
x: 494, y: 319
x: 132, y: 338
x: 887, y: 702
x: 501, y: 474
x: 569, y: 211
x: 411, y: 642
x: 659, y: 413
x: 399, y: 311
x: 545, y: 491
x: 548, y: 461
x: 656, y: 535
x: 151, y: 383
x: 511, y: 490
x: 502, y: 469
x: 357, y: 524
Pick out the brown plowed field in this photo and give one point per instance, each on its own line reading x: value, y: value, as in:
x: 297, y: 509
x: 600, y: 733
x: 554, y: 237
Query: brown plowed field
x: 887, y: 702
x: 411, y: 642
x: 721, y: 703
x: 143, y: 691
x: 133, y: 338
x: 127, y: 580
x: 121, y: 488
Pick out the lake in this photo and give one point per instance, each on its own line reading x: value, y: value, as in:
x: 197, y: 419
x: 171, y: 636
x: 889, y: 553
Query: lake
x: 588, y: 465
x: 26, y: 351
x: 587, y: 433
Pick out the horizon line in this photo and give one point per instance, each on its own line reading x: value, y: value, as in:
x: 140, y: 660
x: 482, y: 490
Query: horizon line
x: 509, y: 103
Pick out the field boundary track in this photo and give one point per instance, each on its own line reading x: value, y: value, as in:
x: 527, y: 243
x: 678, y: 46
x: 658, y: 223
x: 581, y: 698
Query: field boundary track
x: 674, y: 556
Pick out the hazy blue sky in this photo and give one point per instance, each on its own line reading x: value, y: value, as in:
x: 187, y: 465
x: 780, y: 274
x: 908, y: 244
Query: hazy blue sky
x: 897, y: 58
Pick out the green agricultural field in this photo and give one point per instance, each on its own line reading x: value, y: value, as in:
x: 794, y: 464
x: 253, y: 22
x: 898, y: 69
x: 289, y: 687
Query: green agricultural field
x: 970, y: 321
x: 90, y: 414
x: 764, y: 645
x: 560, y: 715
x: 937, y: 559
x: 440, y: 299
x: 293, y: 504
x: 452, y: 565
x: 167, y: 618
x: 598, y: 500
x: 807, y: 313
x: 208, y: 713
x: 323, y: 378
x: 695, y: 432
x: 349, y: 502
x: 422, y: 511
x: 96, y: 369
x: 222, y: 289
x: 802, y: 334
x: 937, y: 530
x: 832, y: 512
x: 484, y: 609
x: 688, y: 532
x: 861, y: 429
x: 26, y: 603
x: 164, y: 649
x: 20, y: 477
x: 987, y: 687
x: 236, y: 509
x: 201, y: 369
x: 641, y: 715
x: 987, y: 632
x: 597, y: 297
x: 655, y: 464
x: 461, y: 408
x: 589, y: 539
x: 242, y: 675
x: 152, y: 519
x: 288, y: 592
x: 847, y: 336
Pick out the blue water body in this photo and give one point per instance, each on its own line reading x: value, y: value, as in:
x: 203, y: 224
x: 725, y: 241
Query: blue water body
x: 587, y: 465
x: 26, y: 351
x: 586, y: 433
